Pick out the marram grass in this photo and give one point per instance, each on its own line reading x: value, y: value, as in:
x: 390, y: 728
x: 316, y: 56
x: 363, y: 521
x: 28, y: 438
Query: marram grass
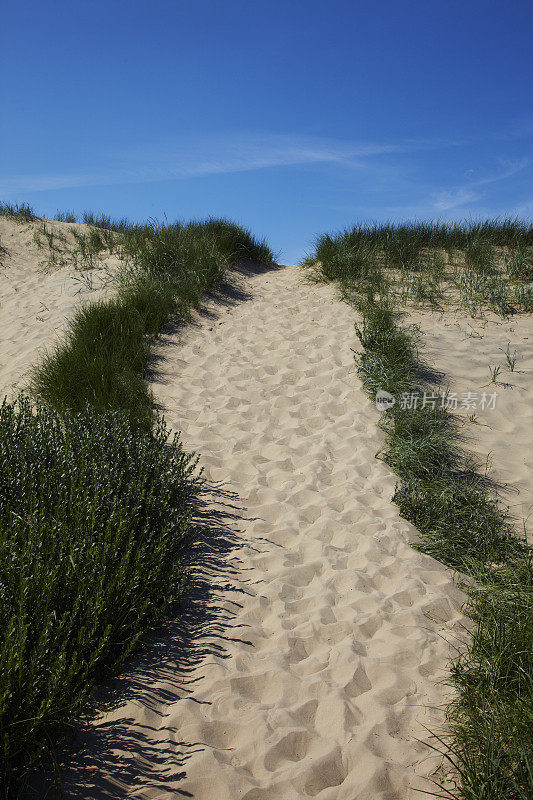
x: 483, y: 265
x: 104, y: 354
x: 21, y: 212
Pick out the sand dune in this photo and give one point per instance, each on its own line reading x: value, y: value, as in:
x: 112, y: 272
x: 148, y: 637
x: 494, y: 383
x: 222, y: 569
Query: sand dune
x: 308, y: 660
x: 463, y: 349
x: 36, y: 301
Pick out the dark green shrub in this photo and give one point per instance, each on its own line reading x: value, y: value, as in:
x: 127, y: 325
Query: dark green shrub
x: 92, y: 519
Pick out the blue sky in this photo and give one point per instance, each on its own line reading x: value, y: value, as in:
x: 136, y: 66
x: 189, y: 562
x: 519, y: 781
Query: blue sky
x: 290, y: 117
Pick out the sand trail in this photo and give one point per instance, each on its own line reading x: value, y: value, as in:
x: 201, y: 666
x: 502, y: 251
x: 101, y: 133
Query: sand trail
x: 309, y: 655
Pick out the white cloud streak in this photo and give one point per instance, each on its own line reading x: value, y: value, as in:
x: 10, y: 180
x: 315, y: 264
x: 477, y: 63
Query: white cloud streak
x: 214, y: 155
x: 450, y: 199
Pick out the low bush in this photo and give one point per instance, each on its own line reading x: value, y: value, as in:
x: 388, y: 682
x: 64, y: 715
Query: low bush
x: 93, y: 516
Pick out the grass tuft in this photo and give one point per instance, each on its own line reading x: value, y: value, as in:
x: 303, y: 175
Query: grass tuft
x: 483, y: 264
x: 167, y: 268
x: 100, y: 361
x: 21, y: 212
x: 66, y: 216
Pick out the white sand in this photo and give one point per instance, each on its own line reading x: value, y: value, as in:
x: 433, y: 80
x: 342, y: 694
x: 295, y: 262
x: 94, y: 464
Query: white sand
x: 309, y: 657
x: 36, y: 301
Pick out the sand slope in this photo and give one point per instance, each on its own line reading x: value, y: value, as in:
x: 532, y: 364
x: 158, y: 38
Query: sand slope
x: 307, y: 659
x: 36, y: 301
x: 463, y: 349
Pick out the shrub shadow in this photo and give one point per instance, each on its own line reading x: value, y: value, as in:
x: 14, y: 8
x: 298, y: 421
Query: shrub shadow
x: 105, y: 759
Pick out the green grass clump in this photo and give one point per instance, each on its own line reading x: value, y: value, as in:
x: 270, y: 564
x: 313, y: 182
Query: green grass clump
x: 91, y: 243
x: 346, y: 258
x: 479, y: 255
x: 422, y: 289
x: 389, y: 352
x: 106, y: 222
x: 519, y: 264
x: 461, y: 523
x: 93, y: 515
x: 478, y: 264
x: 236, y: 242
x: 21, y: 212
x: 524, y: 298
x: 55, y: 244
x: 66, y: 216
x: 100, y: 361
x: 458, y: 523
x: 403, y: 243
x: 172, y: 247
x: 479, y: 290
x: 492, y: 718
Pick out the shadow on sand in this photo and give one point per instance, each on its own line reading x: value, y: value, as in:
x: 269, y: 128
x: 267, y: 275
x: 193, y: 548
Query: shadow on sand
x: 105, y: 759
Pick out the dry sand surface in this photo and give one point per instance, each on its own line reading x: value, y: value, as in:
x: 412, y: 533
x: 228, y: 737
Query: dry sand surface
x: 37, y: 300
x: 310, y: 653
x: 463, y: 349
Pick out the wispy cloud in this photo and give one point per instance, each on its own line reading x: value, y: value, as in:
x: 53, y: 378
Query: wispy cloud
x: 454, y: 198
x: 214, y: 155
x: 378, y: 179
x: 446, y: 200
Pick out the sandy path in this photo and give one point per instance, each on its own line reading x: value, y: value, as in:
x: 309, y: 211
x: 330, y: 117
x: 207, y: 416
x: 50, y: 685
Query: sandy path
x: 304, y: 660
